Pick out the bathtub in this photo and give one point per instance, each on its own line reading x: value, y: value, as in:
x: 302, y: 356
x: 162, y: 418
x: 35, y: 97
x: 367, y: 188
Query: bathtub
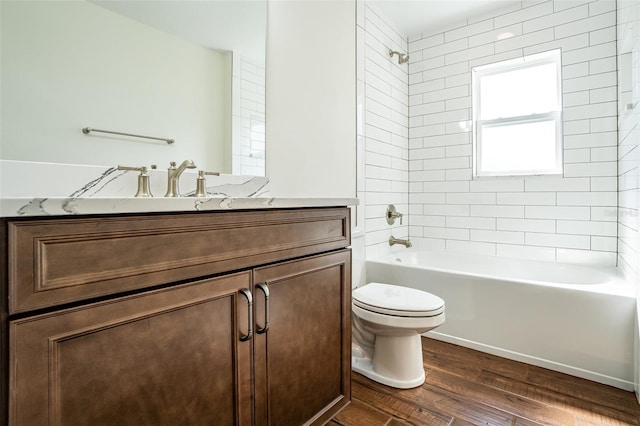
x: 569, y: 318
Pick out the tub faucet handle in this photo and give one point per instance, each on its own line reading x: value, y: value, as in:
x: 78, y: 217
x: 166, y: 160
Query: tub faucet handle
x: 392, y: 215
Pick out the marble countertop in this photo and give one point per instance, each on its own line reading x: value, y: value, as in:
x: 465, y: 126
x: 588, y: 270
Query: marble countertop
x: 64, y: 189
x: 26, y: 207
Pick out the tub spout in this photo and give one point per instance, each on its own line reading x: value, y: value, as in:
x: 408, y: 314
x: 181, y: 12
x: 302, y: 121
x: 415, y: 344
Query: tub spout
x: 393, y: 240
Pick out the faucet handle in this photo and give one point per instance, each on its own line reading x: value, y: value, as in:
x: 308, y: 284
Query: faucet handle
x: 392, y: 215
x: 134, y: 169
x: 201, y: 190
x: 143, y: 180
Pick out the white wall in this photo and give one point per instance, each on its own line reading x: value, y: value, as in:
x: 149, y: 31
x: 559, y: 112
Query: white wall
x: 311, y: 98
x: 69, y: 65
x: 569, y: 219
x: 629, y: 152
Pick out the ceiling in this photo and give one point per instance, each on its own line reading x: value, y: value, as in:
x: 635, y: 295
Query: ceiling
x: 228, y: 25
x: 241, y: 24
x: 413, y: 17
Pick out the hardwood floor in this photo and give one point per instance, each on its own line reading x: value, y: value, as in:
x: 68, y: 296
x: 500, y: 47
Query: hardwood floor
x: 467, y: 387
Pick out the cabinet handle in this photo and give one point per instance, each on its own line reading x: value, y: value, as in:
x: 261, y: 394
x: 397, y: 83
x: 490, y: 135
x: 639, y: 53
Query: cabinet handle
x: 247, y: 294
x: 265, y: 290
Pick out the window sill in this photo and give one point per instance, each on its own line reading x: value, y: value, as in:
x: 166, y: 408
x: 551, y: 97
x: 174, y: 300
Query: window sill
x: 517, y: 175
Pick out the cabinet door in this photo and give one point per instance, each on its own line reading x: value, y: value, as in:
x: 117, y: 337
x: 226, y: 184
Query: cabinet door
x: 303, y: 360
x: 164, y: 357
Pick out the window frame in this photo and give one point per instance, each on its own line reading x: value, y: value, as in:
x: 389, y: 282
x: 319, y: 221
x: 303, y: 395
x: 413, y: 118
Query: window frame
x: 478, y: 73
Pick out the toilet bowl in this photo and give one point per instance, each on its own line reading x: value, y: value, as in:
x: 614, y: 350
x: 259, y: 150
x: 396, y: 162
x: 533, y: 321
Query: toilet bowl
x: 387, y: 323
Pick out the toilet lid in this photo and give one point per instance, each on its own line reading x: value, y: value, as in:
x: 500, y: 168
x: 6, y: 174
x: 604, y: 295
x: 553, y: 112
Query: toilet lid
x: 397, y: 300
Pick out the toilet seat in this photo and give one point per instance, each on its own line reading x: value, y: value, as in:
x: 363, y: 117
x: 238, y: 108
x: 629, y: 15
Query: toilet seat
x: 397, y: 301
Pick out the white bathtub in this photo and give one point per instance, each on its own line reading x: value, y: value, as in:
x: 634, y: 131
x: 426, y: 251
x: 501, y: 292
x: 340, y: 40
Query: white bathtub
x: 574, y: 319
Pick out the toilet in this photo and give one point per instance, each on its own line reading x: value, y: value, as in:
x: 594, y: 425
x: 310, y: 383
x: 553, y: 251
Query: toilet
x: 387, y: 323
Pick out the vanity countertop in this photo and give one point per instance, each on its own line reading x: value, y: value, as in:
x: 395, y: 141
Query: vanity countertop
x: 26, y: 207
x: 78, y: 190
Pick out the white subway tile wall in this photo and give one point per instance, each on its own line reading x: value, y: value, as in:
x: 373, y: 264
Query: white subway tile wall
x: 384, y: 100
x: 565, y: 219
x: 628, y: 123
x: 248, y: 117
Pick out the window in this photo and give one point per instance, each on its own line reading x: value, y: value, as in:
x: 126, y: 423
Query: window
x: 517, y: 107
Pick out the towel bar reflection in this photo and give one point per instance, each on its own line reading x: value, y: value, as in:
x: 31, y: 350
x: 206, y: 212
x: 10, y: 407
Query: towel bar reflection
x: 87, y: 130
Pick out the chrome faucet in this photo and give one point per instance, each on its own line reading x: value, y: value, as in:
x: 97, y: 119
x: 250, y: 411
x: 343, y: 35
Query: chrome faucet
x: 173, y: 175
x: 393, y: 240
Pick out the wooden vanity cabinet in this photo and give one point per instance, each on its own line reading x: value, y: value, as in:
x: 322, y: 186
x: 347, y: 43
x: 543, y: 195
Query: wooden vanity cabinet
x: 163, y: 357
x: 301, y: 375
x: 264, y: 340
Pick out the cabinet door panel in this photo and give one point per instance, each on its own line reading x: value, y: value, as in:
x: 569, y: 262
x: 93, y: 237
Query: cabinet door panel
x: 62, y: 260
x: 166, y: 357
x: 303, y: 360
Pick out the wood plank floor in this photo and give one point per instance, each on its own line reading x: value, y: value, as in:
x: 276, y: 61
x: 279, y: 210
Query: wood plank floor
x: 467, y: 387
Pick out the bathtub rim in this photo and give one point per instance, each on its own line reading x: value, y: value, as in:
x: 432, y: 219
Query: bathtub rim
x: 616, y: 285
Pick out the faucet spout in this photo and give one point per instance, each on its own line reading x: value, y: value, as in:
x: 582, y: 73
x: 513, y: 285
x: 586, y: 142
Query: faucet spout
x: 173, y: 176
x: 186, y: 164
x: 393, y: 240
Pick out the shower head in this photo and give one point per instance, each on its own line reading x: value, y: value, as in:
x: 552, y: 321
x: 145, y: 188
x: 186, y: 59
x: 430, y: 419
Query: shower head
x: 403, y: 58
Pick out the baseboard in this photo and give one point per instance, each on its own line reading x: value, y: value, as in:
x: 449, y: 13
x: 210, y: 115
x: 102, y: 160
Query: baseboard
x: 540, y: 362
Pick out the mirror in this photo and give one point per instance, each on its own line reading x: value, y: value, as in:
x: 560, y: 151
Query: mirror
x: 191, y: 71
